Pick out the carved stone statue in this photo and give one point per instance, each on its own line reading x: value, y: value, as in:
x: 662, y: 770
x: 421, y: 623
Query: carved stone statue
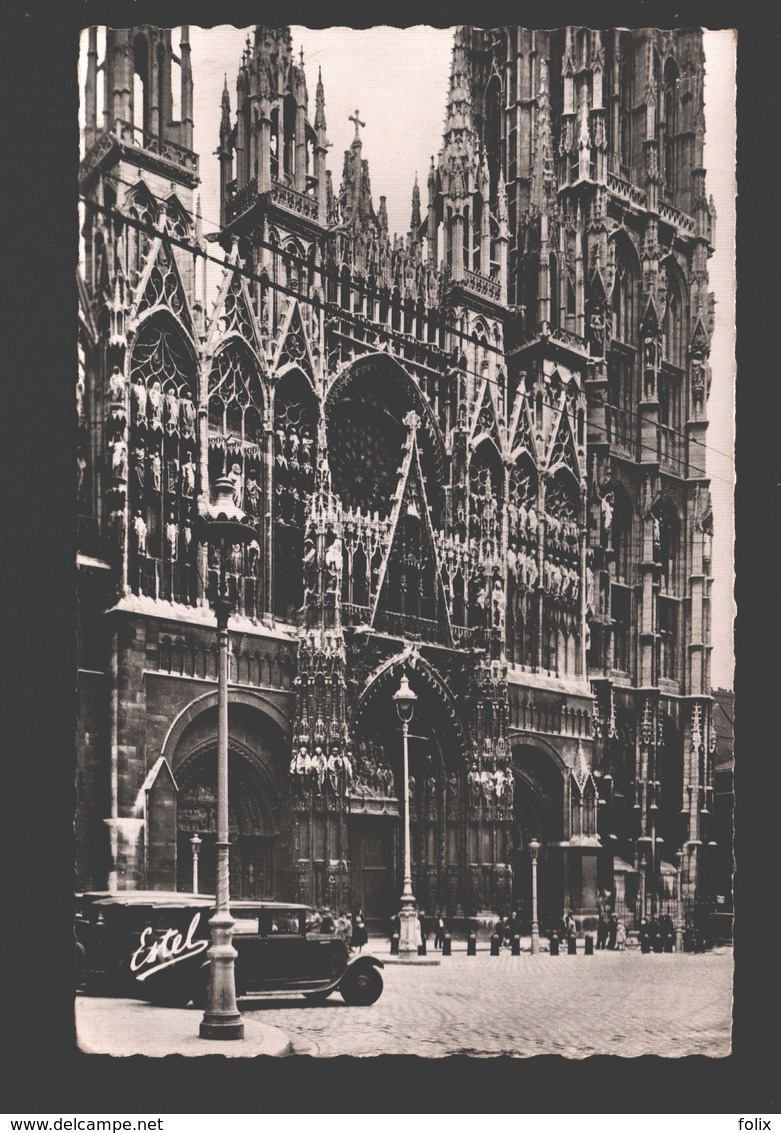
x: 116, y: 385
x: 236, y: 478
x: 188, y: 478
x: 139, y: 533
x: 252, y: 496
x: 119, y: 459
x: 155, y: 473
x: 155, y: 406
x: 187, y: 415
x: 172, y: 539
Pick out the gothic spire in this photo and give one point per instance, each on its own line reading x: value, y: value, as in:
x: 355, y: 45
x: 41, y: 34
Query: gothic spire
x: 414, y: 223
x: 458, y: 114
x: 320, y: 102
x: 543, y: 169
x: 225, y: 121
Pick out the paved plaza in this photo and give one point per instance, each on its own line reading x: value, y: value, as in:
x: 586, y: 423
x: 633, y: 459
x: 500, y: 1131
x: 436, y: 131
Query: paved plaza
x: 619, y: 1003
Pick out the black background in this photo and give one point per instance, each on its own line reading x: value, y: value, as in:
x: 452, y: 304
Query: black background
x: 42, y: 1071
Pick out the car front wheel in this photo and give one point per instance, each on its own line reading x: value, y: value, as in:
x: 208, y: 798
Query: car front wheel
x: 360, y: 989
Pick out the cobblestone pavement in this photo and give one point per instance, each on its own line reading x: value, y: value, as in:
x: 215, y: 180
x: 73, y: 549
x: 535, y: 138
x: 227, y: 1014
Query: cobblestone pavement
x: 620, y: 1003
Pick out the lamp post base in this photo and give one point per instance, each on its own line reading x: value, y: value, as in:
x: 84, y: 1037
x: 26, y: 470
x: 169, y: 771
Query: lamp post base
x: 535, y: 940
x: 408, y: 933
x: 222, y: 1018
x: 221, y: 1028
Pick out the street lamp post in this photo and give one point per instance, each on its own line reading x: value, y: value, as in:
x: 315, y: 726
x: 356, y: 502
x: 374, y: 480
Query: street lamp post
x: 195, y: 842
x: 534, y: 849
x: 405, y: 699
x: 680, y: 926
x: 223, y: 526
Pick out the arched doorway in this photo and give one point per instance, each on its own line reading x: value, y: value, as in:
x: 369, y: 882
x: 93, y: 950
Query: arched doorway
x: 251, y: 826
x: 538, y: 813
x: 259, y: 823
x: 437, y: 801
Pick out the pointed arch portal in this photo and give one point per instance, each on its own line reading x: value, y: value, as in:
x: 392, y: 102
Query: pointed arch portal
x: 438, y: 798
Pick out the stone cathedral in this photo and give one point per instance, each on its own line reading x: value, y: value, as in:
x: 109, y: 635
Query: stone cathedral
x: 473, y: 453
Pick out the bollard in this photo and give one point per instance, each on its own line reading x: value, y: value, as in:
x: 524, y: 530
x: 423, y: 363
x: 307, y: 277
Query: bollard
x: 515, y: 945
x: 471, y: 944
x: 446, y: 944
x: 589, y: 942
x: 394, y: 944
x: 572, y: 946
x: 495, y: 943
x: 554, y: 944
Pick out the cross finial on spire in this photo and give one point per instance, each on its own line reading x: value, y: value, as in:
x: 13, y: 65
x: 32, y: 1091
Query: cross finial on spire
x: 354, y: 118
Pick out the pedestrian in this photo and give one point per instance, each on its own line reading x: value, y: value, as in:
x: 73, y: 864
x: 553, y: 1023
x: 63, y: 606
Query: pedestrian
x: 328, y: 923
x: 620, y: 935
x: 569, y: 924
x: 603, y: 925
x: 360, y: 935
x: 439, y: 933
x: 612, y: 932
x: 422, y: 926
x: 314, y: 924
x: 395, y: 925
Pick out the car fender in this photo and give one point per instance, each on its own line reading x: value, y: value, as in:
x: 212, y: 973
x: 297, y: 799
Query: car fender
x: 360, y: 962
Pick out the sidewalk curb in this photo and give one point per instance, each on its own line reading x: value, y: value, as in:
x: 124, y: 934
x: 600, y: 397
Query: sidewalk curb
x: 127, y: 1027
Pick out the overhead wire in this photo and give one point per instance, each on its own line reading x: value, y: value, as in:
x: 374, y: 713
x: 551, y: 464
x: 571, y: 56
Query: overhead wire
x: 389, y: 333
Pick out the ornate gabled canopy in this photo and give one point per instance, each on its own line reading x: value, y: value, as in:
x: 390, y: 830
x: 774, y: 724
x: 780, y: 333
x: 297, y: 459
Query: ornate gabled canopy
x: 293, y: 350
x: 160, y: 286
x: 233, y: 313
x: 484, y: 422
x: 522, y: 428
x: 563, y: 451
x: 411, y: 536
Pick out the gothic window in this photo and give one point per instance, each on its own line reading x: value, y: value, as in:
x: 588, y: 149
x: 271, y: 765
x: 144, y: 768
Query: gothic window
x: 140, y: 93
x: 486, y: 494
x: 621, y: 615
x: 671, y: 89
x: 275, y: 143
x: 531, y: 283
x: 293, y: 261
x: 235, y: 450
x: 625, y: 293
x: 344, y: 284
x: 142, y: 210
x: 161, y: 465
x: 493, y: 131
x: 675, y: 318
x: 622, y: 401
x: 295, y: 464
x: 366, y: 434
x: 666, y: 547
x: 667, y: 638
x: 555, y: 299
x: 621, y: 536
x: 626, y: 101
x: 395, y: 309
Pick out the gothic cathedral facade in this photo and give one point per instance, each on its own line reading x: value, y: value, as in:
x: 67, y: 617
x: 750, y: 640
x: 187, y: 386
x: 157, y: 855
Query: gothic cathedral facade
x: 473, y: 455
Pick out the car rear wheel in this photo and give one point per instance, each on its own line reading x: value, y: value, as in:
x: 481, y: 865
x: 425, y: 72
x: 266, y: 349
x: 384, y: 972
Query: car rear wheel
x: 360, y: 989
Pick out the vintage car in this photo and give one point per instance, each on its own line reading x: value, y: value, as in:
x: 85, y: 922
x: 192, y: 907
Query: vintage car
x: 154, y: 945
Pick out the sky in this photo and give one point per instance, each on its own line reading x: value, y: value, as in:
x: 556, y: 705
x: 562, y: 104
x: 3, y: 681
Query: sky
x: 397, y: 79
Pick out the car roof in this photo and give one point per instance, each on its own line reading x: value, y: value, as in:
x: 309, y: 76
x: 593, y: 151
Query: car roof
x: 161, y: 898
